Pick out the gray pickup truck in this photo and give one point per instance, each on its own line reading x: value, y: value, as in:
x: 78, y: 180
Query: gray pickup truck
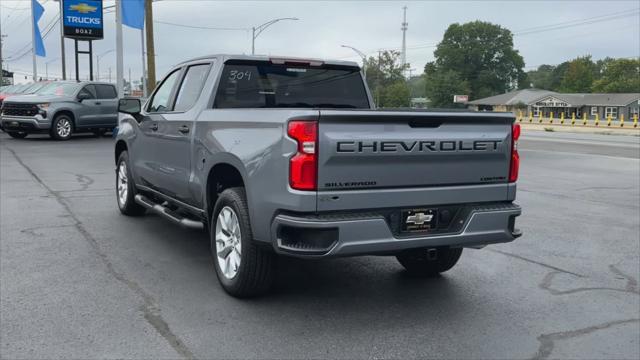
x: 278, y: 156
x: 62, y: 108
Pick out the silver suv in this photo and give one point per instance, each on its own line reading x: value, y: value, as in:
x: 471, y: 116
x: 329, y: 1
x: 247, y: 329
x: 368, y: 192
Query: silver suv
x: 61, y: 109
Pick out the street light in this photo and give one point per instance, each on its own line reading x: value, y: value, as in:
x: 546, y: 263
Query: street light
x: 98, y: 61
x: 46, y: 67
x: 362, y: 55
x: 257, y: 30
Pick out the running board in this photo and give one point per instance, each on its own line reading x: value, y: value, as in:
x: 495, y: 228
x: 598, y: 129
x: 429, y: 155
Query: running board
x: 166, y: 213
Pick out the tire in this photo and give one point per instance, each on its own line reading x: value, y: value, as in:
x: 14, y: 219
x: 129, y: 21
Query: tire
x: 416, y: 261
x: 62, y: 127
x: 254, y: 274
x: 125, y: 188
x: 18, y: 134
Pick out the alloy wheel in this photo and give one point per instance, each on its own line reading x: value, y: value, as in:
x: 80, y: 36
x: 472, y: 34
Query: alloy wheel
x: 228, y: 242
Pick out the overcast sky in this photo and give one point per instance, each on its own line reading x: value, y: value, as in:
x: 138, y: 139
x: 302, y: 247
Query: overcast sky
x: 325, y: 25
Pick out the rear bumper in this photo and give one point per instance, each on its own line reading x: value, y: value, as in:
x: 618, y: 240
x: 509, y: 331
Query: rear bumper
x: 361, y: 234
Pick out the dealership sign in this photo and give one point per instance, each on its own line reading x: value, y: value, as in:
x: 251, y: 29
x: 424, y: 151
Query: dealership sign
x: 82, y: 19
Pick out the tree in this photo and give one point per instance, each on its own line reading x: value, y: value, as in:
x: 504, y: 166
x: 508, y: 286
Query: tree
x: 441, y: 86
x: 618, y: 76
x: 480, y: 54
x: 382, y: 72
x: 396, y: 95
x: 579, y: 76
x: 542, y: 77
x: 417, y: 85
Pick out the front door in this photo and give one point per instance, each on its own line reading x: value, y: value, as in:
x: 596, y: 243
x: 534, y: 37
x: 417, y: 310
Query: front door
x: 89, y: 111
x: 107, y: 100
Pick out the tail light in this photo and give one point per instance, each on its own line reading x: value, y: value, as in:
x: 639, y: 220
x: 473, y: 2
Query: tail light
x: 515, y: 157
x: 303, y: 166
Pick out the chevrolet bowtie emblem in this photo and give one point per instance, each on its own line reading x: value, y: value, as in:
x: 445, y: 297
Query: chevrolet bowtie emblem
x: 83, y: 8
x: 419, y: 218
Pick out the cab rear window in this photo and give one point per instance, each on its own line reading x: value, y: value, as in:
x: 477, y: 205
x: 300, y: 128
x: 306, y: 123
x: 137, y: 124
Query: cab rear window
x: 267, y: 85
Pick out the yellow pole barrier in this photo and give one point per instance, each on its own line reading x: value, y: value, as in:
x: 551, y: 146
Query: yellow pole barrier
x: 562, y: 118
x: 597, y: 122
x: 530, y: 117
x: 621, y: 120
x: 540, y: 117
x: 635, y: 120
x: 609, y: 118
x: 573, y: 119
x: 584, y: 119
x: 551, y: 118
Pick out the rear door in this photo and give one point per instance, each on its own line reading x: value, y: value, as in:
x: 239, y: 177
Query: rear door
x: 107, y: 100
x: 395, y: 149
x: 167, y: 127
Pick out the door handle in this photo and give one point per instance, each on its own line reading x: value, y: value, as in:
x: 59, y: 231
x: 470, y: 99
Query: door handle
x: 184, y: 129
x: 98, y: 103
x: 154, y: 127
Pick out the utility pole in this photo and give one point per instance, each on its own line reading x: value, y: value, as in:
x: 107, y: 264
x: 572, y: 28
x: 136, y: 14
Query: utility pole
x: 62, y: 52
x: 151, y: 53
x: 404, y: 28
x: 378, y: 84
x: 119, y: 52
x: 144, y: 65
x: 130, y: 87
x: 1, y: 68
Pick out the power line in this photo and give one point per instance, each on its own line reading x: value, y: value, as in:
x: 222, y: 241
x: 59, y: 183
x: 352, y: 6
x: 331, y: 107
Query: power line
x: 201, y: 27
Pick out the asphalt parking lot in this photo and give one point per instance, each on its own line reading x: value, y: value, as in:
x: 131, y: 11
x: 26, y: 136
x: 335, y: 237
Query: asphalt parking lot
x: 78, y: 280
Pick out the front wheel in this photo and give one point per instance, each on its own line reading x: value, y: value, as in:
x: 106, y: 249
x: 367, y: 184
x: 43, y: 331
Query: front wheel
x: 429, y: 262
x: 17, y: 134
x: 62, y: 127
x: 243, y: 268
x: 125, y: 189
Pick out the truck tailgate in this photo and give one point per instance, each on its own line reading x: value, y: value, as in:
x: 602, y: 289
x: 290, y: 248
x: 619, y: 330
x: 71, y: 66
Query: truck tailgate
x: 405, y: 149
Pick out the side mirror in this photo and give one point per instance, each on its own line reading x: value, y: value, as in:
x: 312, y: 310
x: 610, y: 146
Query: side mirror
x: 83, y: 96
x: 129, y: 106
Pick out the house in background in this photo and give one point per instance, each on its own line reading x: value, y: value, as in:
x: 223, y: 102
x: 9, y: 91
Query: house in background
x: 543, y: 102
x: 513, y: 101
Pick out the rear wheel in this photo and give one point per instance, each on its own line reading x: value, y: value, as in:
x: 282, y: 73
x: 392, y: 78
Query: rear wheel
x: 62, y: 127
x: 125, y: 189
x: 243, y: 268
x: 17, y: 134
x: 429, y: 262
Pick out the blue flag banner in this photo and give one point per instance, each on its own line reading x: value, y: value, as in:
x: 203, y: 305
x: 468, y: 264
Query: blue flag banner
x: 133, y: 13
x: 38, y: 45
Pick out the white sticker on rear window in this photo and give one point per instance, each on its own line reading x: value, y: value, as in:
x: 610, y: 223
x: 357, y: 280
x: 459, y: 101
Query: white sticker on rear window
x: 297, y: 70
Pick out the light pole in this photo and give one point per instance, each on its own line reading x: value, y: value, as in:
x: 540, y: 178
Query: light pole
x: 257, y: 30
x: 62, y: 53
x: 46, y: 68
x: 98, y: 61
x: 362, y: 55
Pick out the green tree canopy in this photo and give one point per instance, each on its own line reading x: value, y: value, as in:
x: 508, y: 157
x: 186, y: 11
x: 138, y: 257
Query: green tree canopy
x: 441, y: 86
x: 618, y: 76
x: 579, y: 75
x: 384, y: 71
x: 396, y: 95
x: 481, y: 55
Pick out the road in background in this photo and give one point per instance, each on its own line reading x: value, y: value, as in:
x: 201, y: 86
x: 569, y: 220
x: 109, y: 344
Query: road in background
x: 77, y: 279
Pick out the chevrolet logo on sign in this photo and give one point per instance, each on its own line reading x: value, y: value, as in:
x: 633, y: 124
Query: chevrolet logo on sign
x: 83, y: 8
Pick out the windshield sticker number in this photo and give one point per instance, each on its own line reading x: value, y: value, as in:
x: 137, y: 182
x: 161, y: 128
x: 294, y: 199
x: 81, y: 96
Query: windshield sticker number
x: 239, y: 75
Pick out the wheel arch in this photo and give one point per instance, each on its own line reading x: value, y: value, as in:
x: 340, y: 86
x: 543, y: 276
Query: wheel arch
x: 121, y: 146
x: 67, y: 112
x: 221, y: 176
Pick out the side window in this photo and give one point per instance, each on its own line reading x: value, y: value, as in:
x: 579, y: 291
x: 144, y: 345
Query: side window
x: 89, y: 90
x: 161, y: 99
x: 106, y: 92
x: 191, y: 87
